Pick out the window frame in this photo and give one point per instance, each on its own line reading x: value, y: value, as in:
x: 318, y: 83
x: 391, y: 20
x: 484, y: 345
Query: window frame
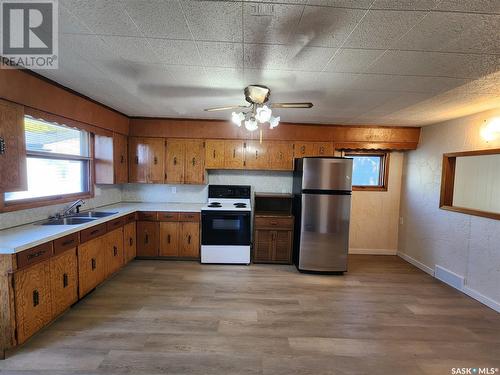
x: 22, y: 204
x: 384, y: 169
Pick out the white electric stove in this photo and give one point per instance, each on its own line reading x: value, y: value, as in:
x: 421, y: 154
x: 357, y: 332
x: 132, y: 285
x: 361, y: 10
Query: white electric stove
x: 226, y: 225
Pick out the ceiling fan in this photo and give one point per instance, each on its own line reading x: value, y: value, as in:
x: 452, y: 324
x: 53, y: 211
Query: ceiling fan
x: 258, y: 111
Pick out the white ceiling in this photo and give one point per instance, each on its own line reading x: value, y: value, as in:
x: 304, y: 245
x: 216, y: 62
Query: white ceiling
x: 394, y: 62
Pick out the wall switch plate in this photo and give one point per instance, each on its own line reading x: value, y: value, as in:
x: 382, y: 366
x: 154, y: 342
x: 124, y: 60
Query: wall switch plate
x: 401, y: 220
x: 173, y: 190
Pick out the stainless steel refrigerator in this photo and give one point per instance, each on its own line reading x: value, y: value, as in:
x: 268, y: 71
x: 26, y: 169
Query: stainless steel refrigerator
x: 322, y: 206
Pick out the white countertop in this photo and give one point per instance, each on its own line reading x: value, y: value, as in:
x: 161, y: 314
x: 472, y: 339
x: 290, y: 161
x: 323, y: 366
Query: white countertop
x: 14, y: 240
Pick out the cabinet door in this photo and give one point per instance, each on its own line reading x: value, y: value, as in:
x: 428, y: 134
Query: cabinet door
x: 120, y: 158
x: 147, y: 238
x: 138, y: 160
x: 175, y: 161
x: 189, y: 240
x: 323, y: 149
x: 282, y: 246
x: 234, y: 154
x: 63, y: 281
x: 91, y: 265
x: 32, y: 299
x: 169, y: 239
x: 114, y: 251
x: 281, y: 155
x: 257, y: 155
x: 129, y: 241
x: 214, y: 154
x: 195, y: 162
x: 263, y: 251
x: 303, y: 149
x: 103, y: 159
x: 12, y: 148
x: 156, y: 160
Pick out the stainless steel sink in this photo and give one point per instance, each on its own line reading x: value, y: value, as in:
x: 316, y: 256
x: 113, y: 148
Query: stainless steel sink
x: 94, y: 214
x: 69, y: 221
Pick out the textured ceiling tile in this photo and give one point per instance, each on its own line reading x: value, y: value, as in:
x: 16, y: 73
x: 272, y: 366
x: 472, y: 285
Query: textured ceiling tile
x: 436, y: 64
x: 178, y: 52
x: 326, y: 27
x: 486, y: 6
x: 405, y: 4
x: 229, y: 78
x: 69, y: 23
x: 216, y: 21
x: 265, y: 56
x: 88, y: 47
x: 158, y: 18
x: 220, y: 54
x: 102, y: 16
x: 131, y: 49
x: 454, y: 32
x: 353, y: 60
x: 380, y: 29
x: 273, y: 28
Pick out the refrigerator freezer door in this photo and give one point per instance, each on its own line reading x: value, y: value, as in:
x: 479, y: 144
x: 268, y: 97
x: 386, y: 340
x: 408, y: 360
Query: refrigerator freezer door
x: 324, y: 236
x: 327, y: 174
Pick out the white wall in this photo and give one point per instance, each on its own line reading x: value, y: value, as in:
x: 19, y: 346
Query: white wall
x: 468, y: 246
x: 375, y: 215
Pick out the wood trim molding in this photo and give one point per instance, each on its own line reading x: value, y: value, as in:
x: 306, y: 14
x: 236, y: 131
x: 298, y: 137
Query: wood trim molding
x: 448, y: 183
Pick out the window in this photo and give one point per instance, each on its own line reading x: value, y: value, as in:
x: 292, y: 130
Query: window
x: 370, y: 170
x: 58, y: 163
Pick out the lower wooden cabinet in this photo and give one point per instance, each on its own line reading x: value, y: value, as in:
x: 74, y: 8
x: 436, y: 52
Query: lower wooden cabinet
x: 180, y: 237
x: 63, y: 281
x: 33, y: 302
x: 189, y: 240
x: 91, y: 264
x: 169, y: 239
x: 129, y: 241
x: 273, y: 239
x: 147, y: 238
x: 114, y: 253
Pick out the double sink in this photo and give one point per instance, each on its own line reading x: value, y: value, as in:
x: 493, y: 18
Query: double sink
x: 80, y: 218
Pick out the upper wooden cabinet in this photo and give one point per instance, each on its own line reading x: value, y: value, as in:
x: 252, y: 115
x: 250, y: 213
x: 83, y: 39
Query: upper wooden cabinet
x: 214, y: 154
x: 185, y: 162
x: 305, y: 149
x: 234, y: 154
x: 257, y: 155
x: 281, y: 156
x: 146, y: 160
x: 12, y: 148
x: 111, y: 159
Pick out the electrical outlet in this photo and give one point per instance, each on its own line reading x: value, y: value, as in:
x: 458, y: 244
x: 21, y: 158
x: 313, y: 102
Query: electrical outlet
x: 401, y: 220
x: 173, y: 190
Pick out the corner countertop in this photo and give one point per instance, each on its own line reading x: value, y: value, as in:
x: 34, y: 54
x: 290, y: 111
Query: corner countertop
x: 14, y: 240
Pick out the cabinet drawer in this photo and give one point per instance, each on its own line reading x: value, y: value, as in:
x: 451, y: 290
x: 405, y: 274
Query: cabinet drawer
x: 88, y: 234
x: 168, y: 216
x: 274, y: 222
x: 130, y: 218
x: 65, y: 243
x: 147, y: 216
x: 114, y: 224
x: 34, y: 255
x: 189, y: 216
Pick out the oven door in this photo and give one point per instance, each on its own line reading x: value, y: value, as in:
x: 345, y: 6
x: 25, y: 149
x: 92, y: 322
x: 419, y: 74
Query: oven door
x: 225, y: 228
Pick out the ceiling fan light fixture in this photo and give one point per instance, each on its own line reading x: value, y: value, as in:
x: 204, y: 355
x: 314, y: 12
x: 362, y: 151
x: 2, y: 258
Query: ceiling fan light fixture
x: 237, y: 118
x: 251, y: 124
x: 274, y: 121
x: 263, y: 114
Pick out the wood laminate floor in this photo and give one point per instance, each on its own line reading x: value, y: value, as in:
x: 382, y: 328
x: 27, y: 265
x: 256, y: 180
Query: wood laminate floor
x: 157, y: 317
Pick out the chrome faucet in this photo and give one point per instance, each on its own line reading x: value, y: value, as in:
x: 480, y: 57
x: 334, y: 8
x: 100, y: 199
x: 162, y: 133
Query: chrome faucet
x: 73, y: 208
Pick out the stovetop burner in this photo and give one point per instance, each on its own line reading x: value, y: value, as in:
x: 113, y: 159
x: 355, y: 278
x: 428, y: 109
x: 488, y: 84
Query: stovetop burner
x: 215, y: 204
x: 240, y: 205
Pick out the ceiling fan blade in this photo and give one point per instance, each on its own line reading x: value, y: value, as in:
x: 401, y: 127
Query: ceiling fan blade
x: 225, y: 108
x: 291, y: 105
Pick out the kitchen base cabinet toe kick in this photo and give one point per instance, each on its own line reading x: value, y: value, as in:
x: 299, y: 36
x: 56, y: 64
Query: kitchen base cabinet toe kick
x: 39, y: 284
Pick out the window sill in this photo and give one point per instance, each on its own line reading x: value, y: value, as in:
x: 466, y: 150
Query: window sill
x: 468, y: 211
x: 369, y: 188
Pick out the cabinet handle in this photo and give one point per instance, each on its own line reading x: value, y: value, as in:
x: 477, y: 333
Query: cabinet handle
x: 303, y: 149
x: 36, y: 298
x: 95, y: 231
x: 2, y: 146
x: 155, y: 160
x: 115, y: 251
x: 189, y: 239
x: 122, y: 159
x: 193, y: 162
x: 281, y: 155
x: 67, y: 242
x: 168, y: 238
x: 130, y: 241
x: 175, y: 160
x: 137, y: 160
x: 274, y: 223
x: 146, y: 239
x: 321, y: 150
x: 234, y: 152
x: 93, y: 263
x: 214, y: 154
x: 65, y: 280
x: 256, y: 154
